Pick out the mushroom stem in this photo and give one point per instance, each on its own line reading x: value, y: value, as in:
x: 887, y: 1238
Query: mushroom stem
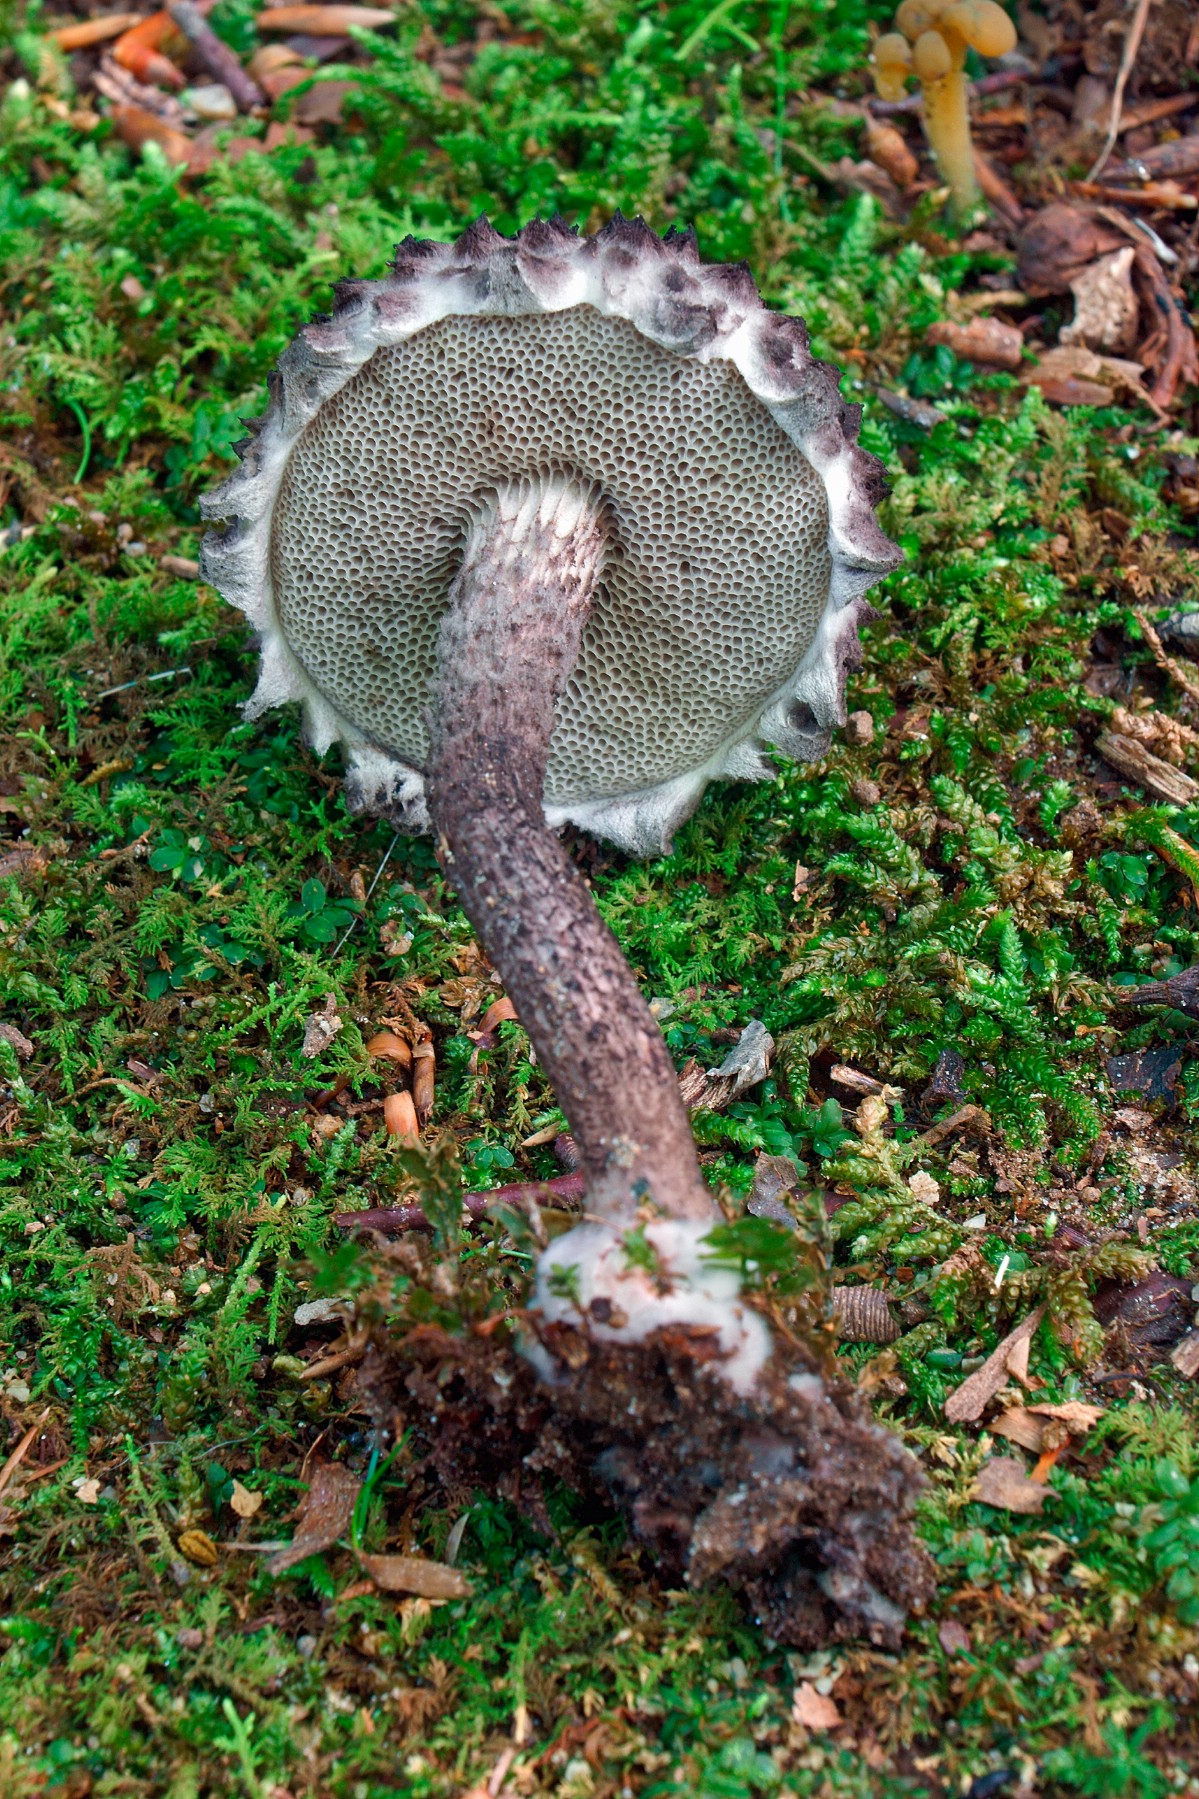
x: 509, y: 640
x: 947, y: 124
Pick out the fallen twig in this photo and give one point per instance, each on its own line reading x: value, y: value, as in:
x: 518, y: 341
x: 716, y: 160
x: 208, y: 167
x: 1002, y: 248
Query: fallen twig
x: 217, y: 58
x: 1132, y: 44
x: 1169, y: 664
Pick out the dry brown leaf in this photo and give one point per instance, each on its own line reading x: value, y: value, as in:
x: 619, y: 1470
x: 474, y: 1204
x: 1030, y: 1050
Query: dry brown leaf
x: 968, y: 1401
x: 500, y: 1011
x: 887, y: 147
x: 244, y: 1500
x: 1003, y: 1483
x: 1072, y: 375
x: 325, y: 1514
x: 415, y: 1574
x: 953, y: 1637
x: 812, y: 1709
x: 988, y: 341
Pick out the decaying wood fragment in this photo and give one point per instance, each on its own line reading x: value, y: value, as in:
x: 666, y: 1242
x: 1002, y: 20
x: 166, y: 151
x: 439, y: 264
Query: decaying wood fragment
x: 1139, y: 764
x: 968, y: 1402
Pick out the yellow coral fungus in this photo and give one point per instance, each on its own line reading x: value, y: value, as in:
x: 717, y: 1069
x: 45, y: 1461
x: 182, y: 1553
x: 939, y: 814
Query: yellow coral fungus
x: 931, y: 42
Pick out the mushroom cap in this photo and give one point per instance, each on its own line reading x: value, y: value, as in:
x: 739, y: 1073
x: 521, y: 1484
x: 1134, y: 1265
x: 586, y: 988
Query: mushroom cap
x: 984, y: 25
x: 739, y: 512
x: 931, y: 57
x: 916, y: 16
x: 892, y: 61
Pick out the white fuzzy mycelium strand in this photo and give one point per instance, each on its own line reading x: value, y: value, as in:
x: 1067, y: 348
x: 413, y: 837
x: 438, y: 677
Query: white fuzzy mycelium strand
x: 595, y: 1277
x: 739, y: 513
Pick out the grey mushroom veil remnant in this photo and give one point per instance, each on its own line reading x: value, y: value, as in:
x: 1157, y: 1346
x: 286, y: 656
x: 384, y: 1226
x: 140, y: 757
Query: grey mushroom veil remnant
x: 559, y: 528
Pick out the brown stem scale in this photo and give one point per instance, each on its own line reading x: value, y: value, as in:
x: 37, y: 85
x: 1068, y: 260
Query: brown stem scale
x: 508, y: 643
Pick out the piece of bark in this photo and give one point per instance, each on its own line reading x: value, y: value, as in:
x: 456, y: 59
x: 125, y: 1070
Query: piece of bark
x: 415, y: 1574
x: 510, y: 637
x: 216, y: 56
x: 325, y: 1513
x: 1132, y: 759
x: 968, y: 1402
x: 1164, y: 162
x: 1181, y: 992
x: 1004, y: 1484
x: 1185, y: 1355
x: 17, y: 1039
x: 747, y: 1064
x: 424, y: 1078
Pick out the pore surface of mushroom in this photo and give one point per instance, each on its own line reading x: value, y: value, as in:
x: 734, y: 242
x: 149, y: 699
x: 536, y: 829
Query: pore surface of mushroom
x: 740, y: 531
x: 559, y: 526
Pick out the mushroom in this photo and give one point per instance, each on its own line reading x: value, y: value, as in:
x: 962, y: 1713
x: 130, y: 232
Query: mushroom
x: 939, y: 32
x: 554, y: 529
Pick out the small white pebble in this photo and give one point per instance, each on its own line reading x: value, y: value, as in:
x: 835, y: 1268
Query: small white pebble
x: 212, y: 101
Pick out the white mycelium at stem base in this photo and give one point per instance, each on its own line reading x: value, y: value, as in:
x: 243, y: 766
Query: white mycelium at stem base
x: 622, y: 1286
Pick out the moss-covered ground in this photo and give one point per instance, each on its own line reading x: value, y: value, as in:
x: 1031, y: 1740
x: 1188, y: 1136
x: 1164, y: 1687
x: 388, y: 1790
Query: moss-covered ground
x: 175, y: 891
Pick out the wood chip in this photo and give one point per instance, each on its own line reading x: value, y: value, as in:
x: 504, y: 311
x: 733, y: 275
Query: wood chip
x: 812, y: 1709
x: 1003, y: 1483
x: 325, y: 1514
x: 183, y: 568
x: 1139, y: 764
x: 968, y: 1402
x: 1185, y: 1355
x: 417, y: 1575
x: 322, y: 21
x: 93, y: 31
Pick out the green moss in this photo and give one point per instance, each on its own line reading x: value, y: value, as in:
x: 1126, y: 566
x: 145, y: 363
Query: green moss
x: 165, y: 1202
